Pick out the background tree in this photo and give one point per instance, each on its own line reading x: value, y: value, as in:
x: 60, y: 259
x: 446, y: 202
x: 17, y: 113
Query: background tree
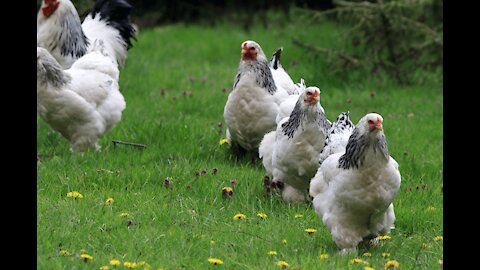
x: 401, y: 38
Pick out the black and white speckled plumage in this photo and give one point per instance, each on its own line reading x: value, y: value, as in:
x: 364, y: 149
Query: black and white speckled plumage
x: 358, y: 144
x: 337, y: 137
x: 298, y: 115
x: 353, y: 191
x: 72, y: 40
x: 68, y: 39
x: 299, y: 138
x: 262, y: 73
x: 252, y: 105
x: 290, y: 127
x: 341, y: 123
x: 275, y: 61
x: 49, y: 71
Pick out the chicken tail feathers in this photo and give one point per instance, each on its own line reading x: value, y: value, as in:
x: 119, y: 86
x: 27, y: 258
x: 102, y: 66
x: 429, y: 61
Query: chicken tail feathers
x: 275, y: 62
x: 116, y: 14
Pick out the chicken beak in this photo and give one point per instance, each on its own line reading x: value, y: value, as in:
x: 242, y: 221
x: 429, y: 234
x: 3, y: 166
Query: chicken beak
x: 244, y: 51
x: 378, y: 125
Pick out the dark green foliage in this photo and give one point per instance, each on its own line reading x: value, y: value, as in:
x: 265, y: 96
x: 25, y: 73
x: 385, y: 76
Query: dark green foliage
x: 245, y: 12
x: 399, y: 39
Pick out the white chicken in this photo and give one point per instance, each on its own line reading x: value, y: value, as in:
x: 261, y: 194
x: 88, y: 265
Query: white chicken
x: 83, y: 102
x: 252, y: 105
x: 290, y: 154
x: 287, y: 105
x: 60, y: 31
x: 338, y: 136
x: 354, y: 190
x: 280, y: 76
x: 284, y: 110
x: 265, y: 151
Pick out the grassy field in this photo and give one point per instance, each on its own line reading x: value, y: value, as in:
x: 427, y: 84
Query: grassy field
x: 181, y: 226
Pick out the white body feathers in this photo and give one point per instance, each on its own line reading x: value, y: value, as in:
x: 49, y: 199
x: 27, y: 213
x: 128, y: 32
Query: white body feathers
x: 87, y: 105
x: 250, y: 112
x: 293, y: 159
x: 355, y: 203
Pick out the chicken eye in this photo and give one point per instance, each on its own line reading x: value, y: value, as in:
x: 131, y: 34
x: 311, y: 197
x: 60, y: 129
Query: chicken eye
x: 309, y: 94
x: 370, y: 122
x: 252, y: 48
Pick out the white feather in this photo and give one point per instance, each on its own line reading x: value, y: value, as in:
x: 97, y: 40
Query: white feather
x: 283, y: 80
x: 265, y: 151
x: 86, y: 107
x: 115, y: 46
x: 295, y: 160
x: 356, y: 202
x: 250, y: 112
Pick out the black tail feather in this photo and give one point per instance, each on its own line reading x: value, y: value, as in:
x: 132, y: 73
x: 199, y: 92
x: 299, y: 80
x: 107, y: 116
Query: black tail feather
x: 276, y: 58
x: 116, y: 13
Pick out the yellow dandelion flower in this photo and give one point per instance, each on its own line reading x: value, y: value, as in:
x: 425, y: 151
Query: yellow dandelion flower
x: 223, y: 141
x: 368, y: 268
x: 262, y: 215
x: 438, y: 238
x: 123, y: 214
x: 323, y: 256
x: 298, y: 216
x: 283, y: 264
x: 310, y: 230
x: 272, y: 253
x: 86, y: 257
x: 239, y: 216
x: 105, y: 267
x: 391, y: 263
x: 215, y: 261
x: 367, y: 254
x: 115, y: 262
x: 130, y: 264
x: 385, y: 254
x: 384, y: 237
x: 358, y: 261
x: 65, y: 252
x: 284, y: 241
x: 227, y: 189
x: 212, y: 242
x: 74, y: 194
x: 425, y: 245
x: 109, y: 201
x: 431, y: 209
x: 140, y: 263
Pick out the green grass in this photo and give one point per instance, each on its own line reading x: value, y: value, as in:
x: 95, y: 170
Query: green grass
x: 172, y: 228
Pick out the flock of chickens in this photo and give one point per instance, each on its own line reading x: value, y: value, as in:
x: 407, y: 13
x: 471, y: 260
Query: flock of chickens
x: 344, y: 168
x: 78, y: 68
